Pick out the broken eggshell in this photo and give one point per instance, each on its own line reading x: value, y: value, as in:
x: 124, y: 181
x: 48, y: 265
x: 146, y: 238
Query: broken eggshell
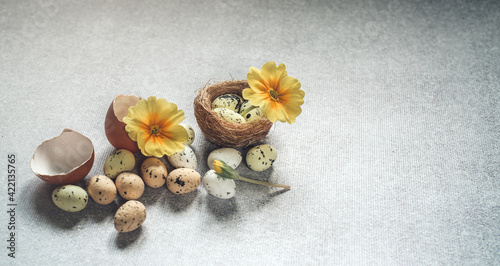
x: 114, y: 125
x: 65, y: 159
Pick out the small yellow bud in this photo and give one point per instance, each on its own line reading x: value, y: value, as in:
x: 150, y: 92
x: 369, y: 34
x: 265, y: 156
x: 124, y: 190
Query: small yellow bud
x: 217, y: 166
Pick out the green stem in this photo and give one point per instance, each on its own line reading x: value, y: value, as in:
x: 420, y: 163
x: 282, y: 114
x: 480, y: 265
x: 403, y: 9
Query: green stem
x: 262, y: 182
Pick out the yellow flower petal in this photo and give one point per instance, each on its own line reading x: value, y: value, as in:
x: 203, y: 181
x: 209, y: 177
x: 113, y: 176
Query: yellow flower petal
x: 280, y: 112
x: 143, y: 109
x: 273, y: 74
x: 141, y: 142
x: 255, y: 98
x: 155, y: 146
x: 165, y: 109
x: 256, y: 81
x: 292, y: 112
x: 178, y: 135
x: 270, y: 114
x: 288, y: 83
x: 174, y: 118
x: 133, y: 126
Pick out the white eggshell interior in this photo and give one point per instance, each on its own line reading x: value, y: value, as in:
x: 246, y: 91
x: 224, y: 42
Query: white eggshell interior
x: 62, y: 154
x: 121, y: 105
x: 229, y: 155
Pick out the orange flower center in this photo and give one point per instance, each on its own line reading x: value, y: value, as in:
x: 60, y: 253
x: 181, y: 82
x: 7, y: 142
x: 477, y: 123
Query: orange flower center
x: 155, y: 130
x: 274, y: 95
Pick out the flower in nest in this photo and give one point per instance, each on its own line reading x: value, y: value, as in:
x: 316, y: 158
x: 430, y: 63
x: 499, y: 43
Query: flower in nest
x: 277, y: 94
x: 154, y: 124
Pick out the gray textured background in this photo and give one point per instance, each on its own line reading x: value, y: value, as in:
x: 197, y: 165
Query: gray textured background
x: 395, y: 158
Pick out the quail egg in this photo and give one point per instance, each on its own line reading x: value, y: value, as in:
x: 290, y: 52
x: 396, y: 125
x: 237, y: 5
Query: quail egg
x: 120, y: 161
x: 183, y: 180
x: 229, y: 115
x: 229, y: 155
x: 130, y: 216
x: 102, y: 189
x: 261, y: 157
x: 218, y: 186
x: 183, y: 159
x: 129, y: 185
x: 229, y: 101
x: 70, y: 198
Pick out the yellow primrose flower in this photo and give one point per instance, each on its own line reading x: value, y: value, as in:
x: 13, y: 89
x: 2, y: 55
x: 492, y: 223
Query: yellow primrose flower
x: 224, y: 170
x: 277, y: 94
x: 154, y: 124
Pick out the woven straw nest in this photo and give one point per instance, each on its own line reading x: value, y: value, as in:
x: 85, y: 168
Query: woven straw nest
x: 219, y: 131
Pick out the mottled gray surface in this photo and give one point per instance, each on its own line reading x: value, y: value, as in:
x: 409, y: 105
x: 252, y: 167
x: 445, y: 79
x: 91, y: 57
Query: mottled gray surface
x: 394, y: 160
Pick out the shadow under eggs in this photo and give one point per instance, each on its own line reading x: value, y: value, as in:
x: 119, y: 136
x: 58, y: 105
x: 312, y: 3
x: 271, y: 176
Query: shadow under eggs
x: 222, y: 209
x: 179, y: 203
x: 101, y: 213
x: 152, y: 196
x: 124, y: 240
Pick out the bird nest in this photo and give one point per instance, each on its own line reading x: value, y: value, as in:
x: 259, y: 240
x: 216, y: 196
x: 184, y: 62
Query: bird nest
x: 219, y: 131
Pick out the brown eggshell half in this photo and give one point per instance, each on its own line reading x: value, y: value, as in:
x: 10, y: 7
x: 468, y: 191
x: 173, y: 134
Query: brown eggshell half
x: 114, y: 125
x: 65, y: 159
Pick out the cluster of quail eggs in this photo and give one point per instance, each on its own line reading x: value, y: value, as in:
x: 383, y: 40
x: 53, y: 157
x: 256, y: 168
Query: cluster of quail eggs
x: 232, y: 108
x: 119, y: 178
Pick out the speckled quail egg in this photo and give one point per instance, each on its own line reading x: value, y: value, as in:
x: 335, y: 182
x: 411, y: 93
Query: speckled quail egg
x: 129, y: 185
x: 229, y: 155
x: 183, y: 180
x: 102, y: 189
x: 120, y: 161
x: 183, y: 159
x: 229, y: 115
x: 253, y: 115
x: 261, y: 157
x: 218, y: 186
x: 246, y: 106
x: 190, y: 132
x: 70, y: 198
x: 229, y: 101
x: 130, y: 216
x: 154, y: 173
